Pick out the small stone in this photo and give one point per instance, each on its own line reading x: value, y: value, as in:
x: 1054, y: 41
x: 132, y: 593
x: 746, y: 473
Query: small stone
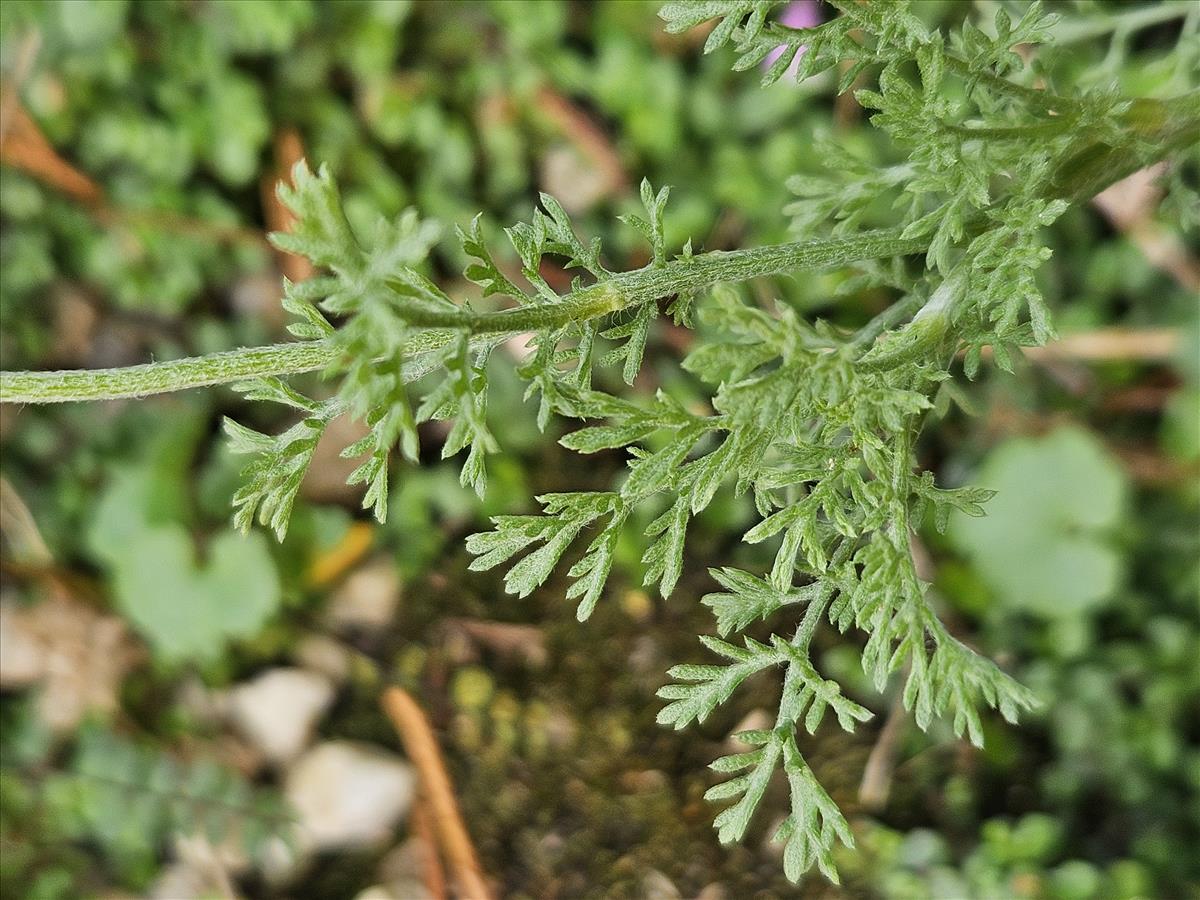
x: 226, y: 859
x: 551, y: 845
x: 367, y: 600
x: 257, y: 296
x: 200, y: 869
x: 324, y: 655
x: 714, y: 891
x: 239, y: 754
x: 278, y: 710
x: 82, y: 657
x: 75, y: 319
x: 325, y: 480
x: 408, y: 889
x: 523, y: 643
x: 657, y: 886
x: 21, y: 655
x: 181, y: 880
x: 400, y: 871
x: 646, y: 781
x: 203, y: 704
x: 570, y: 178
x: 348, y: 795
x: 406, y: 861
x: 756, y: 720
x: 280, y: 858
x: 561, y: 729
x: 645, y: 655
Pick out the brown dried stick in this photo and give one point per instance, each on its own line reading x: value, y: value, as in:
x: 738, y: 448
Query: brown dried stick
x: 1112, y: 344
x: 289, y: 150
x: 431, y: 866
x: 23, y: 146
x: 419, y: 743
x: 586, y: 135
x: 19, y: 527
x: 27, y: 51
x: 1129, y: 205
x: 877, y: 774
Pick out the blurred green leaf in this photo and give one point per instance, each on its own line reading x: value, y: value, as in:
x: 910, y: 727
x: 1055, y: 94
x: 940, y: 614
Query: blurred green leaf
x: 184, y: 607
x: 190, y: 610
x: 1045, y: 544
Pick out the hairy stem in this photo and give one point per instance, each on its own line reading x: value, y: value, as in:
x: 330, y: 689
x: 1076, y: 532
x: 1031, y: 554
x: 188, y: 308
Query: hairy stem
x: 678, y: 276
x: 1034, y: 96
x: 1162, y: 126
x: 1125, y: 22
x: 162, y: 377
x: 1014, y: 132
x: 898, y: 312
x: 621, y: 291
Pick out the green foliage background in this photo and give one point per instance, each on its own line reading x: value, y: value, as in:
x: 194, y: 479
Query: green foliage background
x: 172, y: 108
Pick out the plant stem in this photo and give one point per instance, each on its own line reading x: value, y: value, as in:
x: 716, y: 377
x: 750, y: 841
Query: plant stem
x: 1125, y: 22
x: 161, y: 377
x: 886, y: 320
x: 678, y: 276
x: 619, y: 292
x: 1040, y: 98
x: 1162, y: 125
x: 68, y: 385
x: 1014, y: 132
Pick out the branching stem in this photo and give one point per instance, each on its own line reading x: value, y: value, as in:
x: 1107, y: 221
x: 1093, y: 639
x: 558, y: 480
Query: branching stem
x: 621, y: 291
x: 1164, y: 125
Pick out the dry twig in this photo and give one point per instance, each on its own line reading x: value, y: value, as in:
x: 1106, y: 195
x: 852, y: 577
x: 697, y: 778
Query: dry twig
x: 23, y: 146
x: 339, y: 559
x: 1109, y: 345
x: 432, y: 874
x: 881, y: 763
x: 289, y: 150
x: 419, y: 743
x: 1113, y: 344
x: 588, y: 137
x: 1129, y: 205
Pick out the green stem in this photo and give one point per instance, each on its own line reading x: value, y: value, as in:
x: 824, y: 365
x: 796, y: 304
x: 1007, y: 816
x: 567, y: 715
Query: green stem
x: 1014, y: 132
x: 1162, y: 125
x: 898, y: 312
x: 161, y: 377
x: 926, y: 330
x: 69, y: 385
x: 1040, y: 98
x: 1126, y: 22
x: 678, y: 276
x: 619, y: 292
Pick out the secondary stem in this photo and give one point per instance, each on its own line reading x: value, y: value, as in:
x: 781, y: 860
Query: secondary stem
x: 621, y: 291
x: 1126, y: 22
x: 161, y: 377
x: 1163, y: 126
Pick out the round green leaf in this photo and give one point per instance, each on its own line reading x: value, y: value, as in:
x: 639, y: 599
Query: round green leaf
x: 1043, y: 546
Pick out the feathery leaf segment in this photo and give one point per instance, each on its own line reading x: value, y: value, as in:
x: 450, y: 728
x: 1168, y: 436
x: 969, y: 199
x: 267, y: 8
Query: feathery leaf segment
x: 817, y: 425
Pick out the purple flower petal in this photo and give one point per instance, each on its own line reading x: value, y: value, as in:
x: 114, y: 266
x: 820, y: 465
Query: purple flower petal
x: 797, y: 14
